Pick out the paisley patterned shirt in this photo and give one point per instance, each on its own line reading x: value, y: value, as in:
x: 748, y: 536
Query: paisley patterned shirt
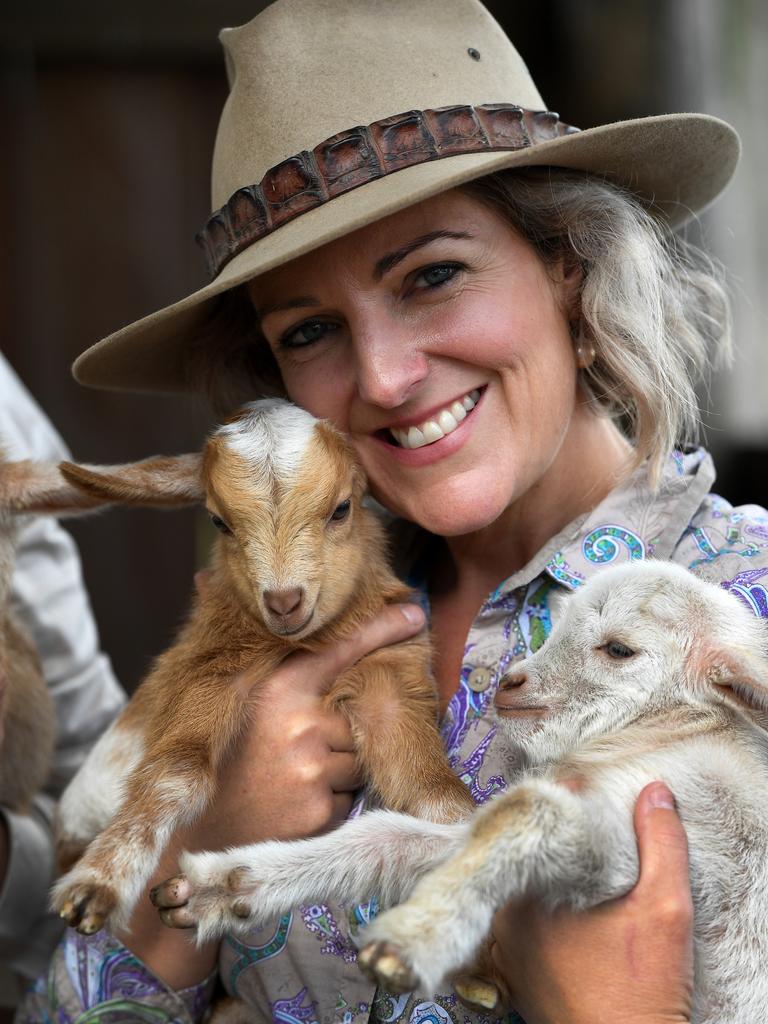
x: 301, y: 969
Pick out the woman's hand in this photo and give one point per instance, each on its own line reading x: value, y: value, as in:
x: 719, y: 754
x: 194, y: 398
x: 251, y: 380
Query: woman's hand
x: 293, y: 773
x: 630, y: 960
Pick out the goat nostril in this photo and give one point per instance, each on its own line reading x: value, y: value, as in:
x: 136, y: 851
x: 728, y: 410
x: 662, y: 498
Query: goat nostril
x: 283, y: 602
x: 512, y: 682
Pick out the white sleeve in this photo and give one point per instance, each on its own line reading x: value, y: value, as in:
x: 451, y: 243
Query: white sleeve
x: 50, y: 599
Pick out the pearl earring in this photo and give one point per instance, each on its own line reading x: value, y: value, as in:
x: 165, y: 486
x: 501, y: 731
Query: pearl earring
x: 584, y: 349
x: 585, y: 356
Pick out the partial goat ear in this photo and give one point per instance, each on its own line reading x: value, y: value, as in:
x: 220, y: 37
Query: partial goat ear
x: 41, y: 488
x: 163, y: 480
x: 740, y: 676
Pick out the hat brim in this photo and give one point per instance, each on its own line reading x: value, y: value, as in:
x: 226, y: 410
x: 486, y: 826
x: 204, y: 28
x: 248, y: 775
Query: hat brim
x: 678, y: 163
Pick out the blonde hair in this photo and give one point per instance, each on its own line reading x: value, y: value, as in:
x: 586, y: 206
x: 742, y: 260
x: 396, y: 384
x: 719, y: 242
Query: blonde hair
x: 653, y: 307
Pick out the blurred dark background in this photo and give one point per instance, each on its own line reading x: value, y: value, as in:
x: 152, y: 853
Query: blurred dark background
x: 108, y: 118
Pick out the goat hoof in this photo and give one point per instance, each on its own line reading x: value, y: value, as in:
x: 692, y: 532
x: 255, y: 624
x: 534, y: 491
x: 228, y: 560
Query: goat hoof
x: 68, y: 913
x: 174, y: 892
x: 91, y: 924
x: 87, y: 908
x: 382, y: 962
x: 242, y: 909
x: 476, y: 993
x: 178, y: 917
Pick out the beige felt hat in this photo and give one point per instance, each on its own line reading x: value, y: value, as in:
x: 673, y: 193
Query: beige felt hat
x: 343, y: 111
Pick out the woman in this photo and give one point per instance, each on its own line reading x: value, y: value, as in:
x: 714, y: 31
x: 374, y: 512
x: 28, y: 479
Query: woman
x: 511, y: 342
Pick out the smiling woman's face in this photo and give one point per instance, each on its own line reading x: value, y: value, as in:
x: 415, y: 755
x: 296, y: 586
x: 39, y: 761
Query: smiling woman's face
x: 440, y: 342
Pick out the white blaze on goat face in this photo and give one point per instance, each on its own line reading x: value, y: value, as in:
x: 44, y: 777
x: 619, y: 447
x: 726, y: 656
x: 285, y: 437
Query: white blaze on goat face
x: 272, y: 437
x: 275, y: 476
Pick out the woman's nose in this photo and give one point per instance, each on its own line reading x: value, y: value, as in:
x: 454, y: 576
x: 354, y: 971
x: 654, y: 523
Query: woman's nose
x: 389, y: 367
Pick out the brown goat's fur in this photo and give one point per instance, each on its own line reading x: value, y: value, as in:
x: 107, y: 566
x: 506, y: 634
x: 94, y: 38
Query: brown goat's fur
x: 27, y: 720
x: 188, y: 713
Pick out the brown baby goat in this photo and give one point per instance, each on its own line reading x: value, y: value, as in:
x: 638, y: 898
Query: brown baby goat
x: 300, y: 563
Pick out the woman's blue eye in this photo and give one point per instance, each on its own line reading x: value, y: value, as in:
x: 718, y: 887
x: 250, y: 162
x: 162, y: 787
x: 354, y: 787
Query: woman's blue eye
x: 306, y: 334
x: 439, y: 274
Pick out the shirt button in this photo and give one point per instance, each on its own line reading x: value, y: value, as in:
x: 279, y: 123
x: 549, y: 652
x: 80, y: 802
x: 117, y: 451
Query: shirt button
x: 479, y: 679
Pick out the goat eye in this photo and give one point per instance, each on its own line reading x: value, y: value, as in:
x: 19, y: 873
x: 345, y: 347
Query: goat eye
x: 341, y: 511
x: 219, y: 523
x: 616, y: 650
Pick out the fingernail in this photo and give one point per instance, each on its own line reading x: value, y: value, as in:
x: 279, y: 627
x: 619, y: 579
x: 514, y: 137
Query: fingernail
x: 413, y: 613
x: 661, y: 796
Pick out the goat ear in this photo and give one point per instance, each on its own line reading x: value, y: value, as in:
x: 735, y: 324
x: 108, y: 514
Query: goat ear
x: 165, y: 480
x: 40, y: 487
x: 741, y: 678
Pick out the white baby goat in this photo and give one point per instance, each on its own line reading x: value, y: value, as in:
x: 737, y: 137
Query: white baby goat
x: 651, y: 674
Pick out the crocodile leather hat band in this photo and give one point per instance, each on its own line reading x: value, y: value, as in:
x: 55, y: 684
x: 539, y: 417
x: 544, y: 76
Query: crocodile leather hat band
x: 352, y: 158
x: 344, y: 112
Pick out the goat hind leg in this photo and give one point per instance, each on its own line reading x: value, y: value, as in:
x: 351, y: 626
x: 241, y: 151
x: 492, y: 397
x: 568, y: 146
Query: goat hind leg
x: 391, y: 704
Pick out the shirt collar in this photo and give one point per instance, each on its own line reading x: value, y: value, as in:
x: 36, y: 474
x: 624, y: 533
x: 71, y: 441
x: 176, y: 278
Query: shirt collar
x: 633, y: 522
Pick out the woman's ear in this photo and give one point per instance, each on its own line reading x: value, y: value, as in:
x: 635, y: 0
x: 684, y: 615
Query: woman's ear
x: 569, y: 280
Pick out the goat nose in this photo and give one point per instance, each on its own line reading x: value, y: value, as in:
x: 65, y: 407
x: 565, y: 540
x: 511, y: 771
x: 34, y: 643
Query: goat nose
x: 283, y: 602
x: 511, y: 681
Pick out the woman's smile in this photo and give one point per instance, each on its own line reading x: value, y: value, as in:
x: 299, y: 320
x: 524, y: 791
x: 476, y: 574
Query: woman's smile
x: 436, y: 425
x: 426, y: 438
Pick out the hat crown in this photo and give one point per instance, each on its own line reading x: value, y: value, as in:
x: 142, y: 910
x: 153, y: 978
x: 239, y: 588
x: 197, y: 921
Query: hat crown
x: 304, y: 70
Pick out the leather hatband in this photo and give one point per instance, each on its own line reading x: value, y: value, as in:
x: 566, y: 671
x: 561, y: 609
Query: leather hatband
x: 359, y: 155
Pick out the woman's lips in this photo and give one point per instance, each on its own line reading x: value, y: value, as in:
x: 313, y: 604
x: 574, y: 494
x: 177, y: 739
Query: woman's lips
x: 441, y: 423
x: 435, y: 450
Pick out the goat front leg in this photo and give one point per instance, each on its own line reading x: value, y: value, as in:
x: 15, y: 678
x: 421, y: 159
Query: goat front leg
x: 381, y: 852
x: 538, y: 839
x: 170, y: 786
x: 390, y: 700
x: 103, y: 887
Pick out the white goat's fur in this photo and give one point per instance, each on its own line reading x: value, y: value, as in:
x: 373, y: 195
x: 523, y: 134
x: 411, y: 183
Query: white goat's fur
x: 689, y: 707
x: 273, y: 437
x: 97, y: 789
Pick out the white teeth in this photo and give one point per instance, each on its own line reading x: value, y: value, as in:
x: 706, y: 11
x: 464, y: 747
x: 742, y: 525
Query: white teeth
x: 447, y: 422
x: 444, y: 423
x: 413, y: 439
x: 432, y: 432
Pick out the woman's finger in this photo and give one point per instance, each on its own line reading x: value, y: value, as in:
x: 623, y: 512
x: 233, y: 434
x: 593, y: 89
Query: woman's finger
x: 663, y: 848
x: 316, y: 670
x: 395, y: 623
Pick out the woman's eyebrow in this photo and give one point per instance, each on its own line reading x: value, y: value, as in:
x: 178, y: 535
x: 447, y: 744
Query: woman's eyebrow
x: 386, y: 263
x: 300, y: 302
